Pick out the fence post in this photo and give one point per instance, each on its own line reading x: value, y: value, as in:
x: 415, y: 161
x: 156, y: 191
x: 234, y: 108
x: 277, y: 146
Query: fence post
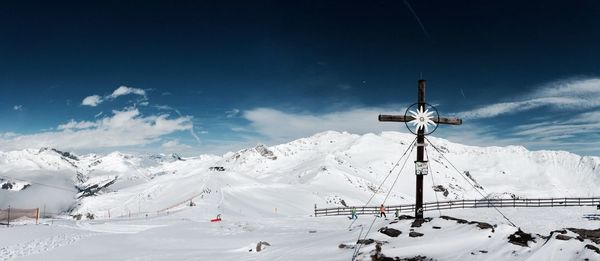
x: 552, y: 202
x: 463, y: 203
x: 8, y: 220
x: 565, y: 202
x: 37, y: 215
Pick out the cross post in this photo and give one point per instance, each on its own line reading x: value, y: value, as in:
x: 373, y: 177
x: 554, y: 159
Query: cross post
x: 420, y: 143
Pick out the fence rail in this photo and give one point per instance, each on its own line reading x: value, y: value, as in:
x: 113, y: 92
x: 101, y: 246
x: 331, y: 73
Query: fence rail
x: 466, y: 203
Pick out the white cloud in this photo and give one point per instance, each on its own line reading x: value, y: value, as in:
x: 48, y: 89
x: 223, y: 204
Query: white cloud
x: 18, y: 107
x: 92, y: 100
x: 124, y: 128
x: 124, y: 90
x: 72, y: 124
x: 568, y: 94
x: 280, y: 126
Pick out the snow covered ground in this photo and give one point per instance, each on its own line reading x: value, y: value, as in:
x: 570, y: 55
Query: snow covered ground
x: 187, y: 235
x: 141, y: 203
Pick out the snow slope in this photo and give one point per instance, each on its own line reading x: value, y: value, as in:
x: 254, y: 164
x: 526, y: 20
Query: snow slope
x: 327, y: 169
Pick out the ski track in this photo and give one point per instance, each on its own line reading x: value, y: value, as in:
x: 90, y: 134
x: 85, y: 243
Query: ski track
x: 37, y: 246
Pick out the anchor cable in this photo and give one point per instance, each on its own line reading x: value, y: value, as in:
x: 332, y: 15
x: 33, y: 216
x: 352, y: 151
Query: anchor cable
x: 357, y: 249
x: 476, y: 189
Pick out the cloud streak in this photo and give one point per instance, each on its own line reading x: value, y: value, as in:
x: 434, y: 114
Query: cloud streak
x: 95, y: 100
x: 576, y: 94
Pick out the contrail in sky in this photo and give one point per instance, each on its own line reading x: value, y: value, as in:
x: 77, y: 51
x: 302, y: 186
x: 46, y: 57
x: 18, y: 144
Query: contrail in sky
x: 417, y: 18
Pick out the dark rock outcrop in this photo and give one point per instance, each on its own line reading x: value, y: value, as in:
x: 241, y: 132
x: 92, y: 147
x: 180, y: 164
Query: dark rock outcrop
x: 591, y: 234
x: 415, y: 234
x: 593, y: 248
x: 392, y: 232
x: 521, y: 238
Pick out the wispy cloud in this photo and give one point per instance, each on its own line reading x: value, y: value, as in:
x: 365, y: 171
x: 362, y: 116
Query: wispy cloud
x: 124, y: 90
x: 564, y: 95
x: 18, y: 107
x: 123, y: 128
x: 232, y: 113
x: 95, y: 100
x: 572, y: 107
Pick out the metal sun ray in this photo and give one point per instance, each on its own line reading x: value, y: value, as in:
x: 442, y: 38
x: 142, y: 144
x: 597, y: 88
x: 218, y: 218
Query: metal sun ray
x: 422, y: 119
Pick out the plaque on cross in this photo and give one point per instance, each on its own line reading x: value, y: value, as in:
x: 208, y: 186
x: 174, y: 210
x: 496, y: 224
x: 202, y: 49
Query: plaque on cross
x: 421, y: 118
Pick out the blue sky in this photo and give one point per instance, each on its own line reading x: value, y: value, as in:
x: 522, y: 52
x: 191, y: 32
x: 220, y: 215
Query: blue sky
x: 209, y: 77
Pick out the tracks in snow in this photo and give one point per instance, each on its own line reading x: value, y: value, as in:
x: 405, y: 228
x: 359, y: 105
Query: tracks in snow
x: 37, y: 246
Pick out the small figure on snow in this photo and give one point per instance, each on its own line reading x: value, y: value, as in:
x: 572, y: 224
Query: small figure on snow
x: 382, y: 211
x: 354, y: 215
x: 397, y: 213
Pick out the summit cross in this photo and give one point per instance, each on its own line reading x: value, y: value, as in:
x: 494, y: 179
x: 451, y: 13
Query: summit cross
x: 421, y: 119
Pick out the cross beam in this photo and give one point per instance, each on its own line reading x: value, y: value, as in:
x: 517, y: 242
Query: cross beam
x: 402, y: 118
x: 420, y: 143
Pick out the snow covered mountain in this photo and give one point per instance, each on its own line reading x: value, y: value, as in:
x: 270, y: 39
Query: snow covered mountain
x: 327, y: 169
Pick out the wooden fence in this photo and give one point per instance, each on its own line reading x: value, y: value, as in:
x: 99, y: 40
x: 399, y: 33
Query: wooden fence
x: 465, y: 203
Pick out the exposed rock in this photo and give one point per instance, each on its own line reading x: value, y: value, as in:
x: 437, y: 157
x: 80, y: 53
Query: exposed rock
x: 91, y: 190
x: 415, y: 234
x: 392, y: 232
x: 483, y: 225
x: 563, y: 237
x: 440, y: 188
x: 177, y: 157
x: 403, y: 217
x: 593, y: 235
x: 216, y: 168
x: 479, y: 252
x: 593, y: 248
x: 7, y: 186
x: 261, y: 245
x: 265, y: 152
x: 458, y: 220
x: 521, y: 238
x: 367, y: 241
x: 344, y: 246
x: 436, y: 227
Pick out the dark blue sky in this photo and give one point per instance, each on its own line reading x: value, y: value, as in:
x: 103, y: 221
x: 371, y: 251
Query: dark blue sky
x: 220, y: 62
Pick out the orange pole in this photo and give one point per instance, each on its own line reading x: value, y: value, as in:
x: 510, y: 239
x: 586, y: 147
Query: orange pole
x: 37, y: 215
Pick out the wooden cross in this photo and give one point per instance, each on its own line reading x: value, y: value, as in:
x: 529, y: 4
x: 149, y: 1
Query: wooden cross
x: 420, y: 143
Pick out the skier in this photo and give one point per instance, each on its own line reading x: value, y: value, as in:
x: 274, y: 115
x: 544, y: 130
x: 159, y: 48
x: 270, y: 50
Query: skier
x: 397, y: 213
x: 354, y: 216
x: 382, y: 211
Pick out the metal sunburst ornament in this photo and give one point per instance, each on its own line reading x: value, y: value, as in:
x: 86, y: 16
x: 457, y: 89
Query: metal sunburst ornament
x: 423, y: 117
